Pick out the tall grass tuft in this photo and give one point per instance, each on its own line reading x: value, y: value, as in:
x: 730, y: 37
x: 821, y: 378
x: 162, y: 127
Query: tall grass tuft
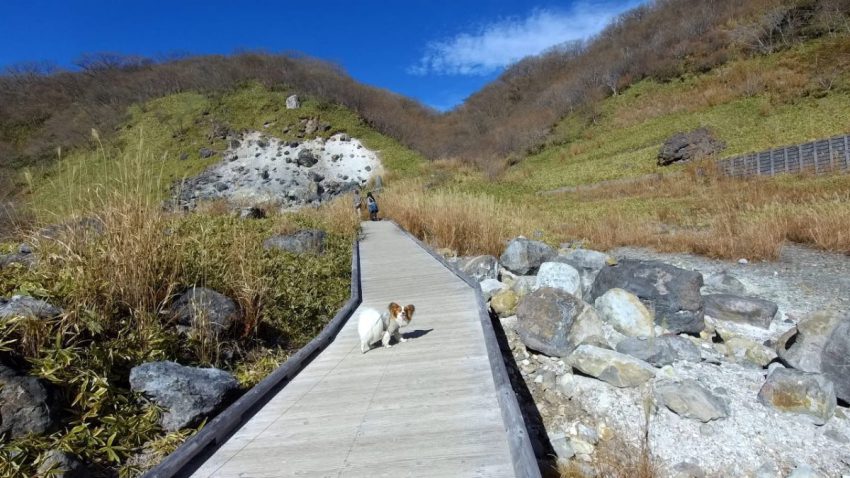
x: 464, y: 222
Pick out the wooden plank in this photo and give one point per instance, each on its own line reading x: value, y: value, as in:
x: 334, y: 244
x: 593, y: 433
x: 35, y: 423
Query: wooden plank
x: 441, y: 390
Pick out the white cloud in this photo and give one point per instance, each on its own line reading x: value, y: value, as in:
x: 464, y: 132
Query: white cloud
x: 496, y: 45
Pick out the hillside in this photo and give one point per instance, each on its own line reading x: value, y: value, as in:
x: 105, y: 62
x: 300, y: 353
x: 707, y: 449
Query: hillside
x: 750, y: 104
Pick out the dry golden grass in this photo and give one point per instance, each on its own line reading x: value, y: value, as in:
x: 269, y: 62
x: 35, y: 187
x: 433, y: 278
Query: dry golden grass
x: 697, y: 211
x: 464, y: 222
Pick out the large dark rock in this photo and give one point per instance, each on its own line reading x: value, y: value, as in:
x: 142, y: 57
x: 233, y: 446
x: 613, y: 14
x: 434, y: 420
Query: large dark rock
x: 303, y: 241
x: 306, y: 158
x: 821, y: 344
x: 672, y: 293
x: 25, y: 404
x: 187, y: 393
x: 480, y: 267
x: 204, y: 309
x: 26, y: 306
x: 545, y: 318
x: 524, y: 256
x: 59, y: 464
x: 696, y: 144
x: 746, y: 310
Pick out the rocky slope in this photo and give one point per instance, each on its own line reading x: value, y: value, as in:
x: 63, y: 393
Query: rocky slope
x: 730, y: 369
x: 257, y: 168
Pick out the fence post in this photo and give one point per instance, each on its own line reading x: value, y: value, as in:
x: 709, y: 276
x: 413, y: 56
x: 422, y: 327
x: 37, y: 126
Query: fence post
x: 846, y: 154
x: 815, y: 153
x: 785, y: 152
x: 800, y: 157
x: 831, y: 159
x: 772, y: 167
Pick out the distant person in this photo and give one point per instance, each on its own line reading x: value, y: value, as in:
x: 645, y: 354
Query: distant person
x: 358, y: 204
x: 372, y: 205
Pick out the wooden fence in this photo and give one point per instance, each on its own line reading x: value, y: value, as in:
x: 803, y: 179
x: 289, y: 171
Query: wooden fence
x: 818, y: 157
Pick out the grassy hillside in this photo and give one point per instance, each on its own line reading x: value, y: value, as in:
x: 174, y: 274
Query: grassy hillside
x: 795, y: 95
x: 163, y: 138
x: 115, y: 285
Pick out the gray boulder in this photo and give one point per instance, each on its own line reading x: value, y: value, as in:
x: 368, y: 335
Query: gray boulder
x: 689, y: 399
x: 695, y: 144
x: 745, y: 310
x: 820, y: 344
x: 480, y: 267
x: 26, y: 306
x: 626, y: 313
x: 302, y: 242
x: 25, y: 404
x: 588, y: 263
x: 524, y: 256
x: 794, y: 391
x: 205, y: 309
x: 311, y: 127
x: 491, y: 287
x: 835, y: 360
x: 24, y: 257
x: 523, y: 285
x: 58, y: 464
x: 306, y: 158
x: 544, y: 320
x: 660, y: 351
x: 187, y: 393
x: 724, y: 283
x: 559, y: 276
x: 672, y: 293
x: 206, y: 153
x: 292, y: 102
x: 609, y: 366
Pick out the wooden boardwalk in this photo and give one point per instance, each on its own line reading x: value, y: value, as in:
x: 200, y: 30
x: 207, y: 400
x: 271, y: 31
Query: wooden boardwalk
x: 427, y: 407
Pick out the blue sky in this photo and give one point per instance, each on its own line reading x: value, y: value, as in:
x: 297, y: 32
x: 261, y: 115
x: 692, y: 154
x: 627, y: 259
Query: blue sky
x: 438, y: 52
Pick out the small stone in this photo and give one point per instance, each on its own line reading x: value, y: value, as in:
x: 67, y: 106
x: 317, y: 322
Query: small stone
x: 615, y: 368
x: 581, y: 447
x: 689, y: 399
x: 805, y: 471
x: 490, y: 287
x: 687, y: 469
x: 504, y: 303
x: 561, y: 446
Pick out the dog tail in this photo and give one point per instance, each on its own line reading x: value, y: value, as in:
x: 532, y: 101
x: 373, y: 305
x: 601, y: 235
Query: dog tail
x: 370, y: 328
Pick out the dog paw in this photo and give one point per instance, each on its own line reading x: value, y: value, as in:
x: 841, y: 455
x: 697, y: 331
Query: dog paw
x: 403, y: 340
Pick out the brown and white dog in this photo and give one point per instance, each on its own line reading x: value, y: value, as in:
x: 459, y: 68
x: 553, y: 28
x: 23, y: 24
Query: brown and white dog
x: 373, y: 326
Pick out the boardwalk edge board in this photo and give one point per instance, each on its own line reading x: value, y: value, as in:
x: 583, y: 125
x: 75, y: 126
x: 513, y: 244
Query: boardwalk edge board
x: 183, y: 460
x: 522, y: 453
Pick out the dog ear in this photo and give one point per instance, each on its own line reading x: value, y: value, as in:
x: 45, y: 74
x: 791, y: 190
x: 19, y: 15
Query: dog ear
x: 409, y: 309
x: 394, y: 309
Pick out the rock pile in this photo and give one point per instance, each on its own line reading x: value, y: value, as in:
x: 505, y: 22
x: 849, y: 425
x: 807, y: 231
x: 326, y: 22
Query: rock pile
x: 695, y: 144
x: 731, y: 391
x: 262, y: 169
